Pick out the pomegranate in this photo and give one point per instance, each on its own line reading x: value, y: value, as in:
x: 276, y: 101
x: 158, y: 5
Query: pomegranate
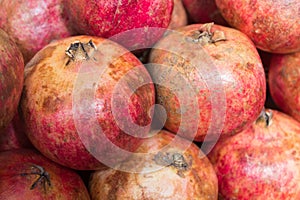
x: 261, y: 162
x: 273, y: 25
x: 26, y: 174
x: 11, y: 78
x: 174, y: 173
x: 14, y: 137
x: 284, y: 80
x: 179, y: 15
x: 83, y: 98
x: 210, y: 80
x: 203, y: 11
x: 33, y: 23
x: 110, y: 18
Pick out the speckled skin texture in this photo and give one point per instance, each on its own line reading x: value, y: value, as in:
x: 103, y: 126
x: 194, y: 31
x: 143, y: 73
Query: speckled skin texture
x: 14, y: 137
x: 239, y: 72
x: 33, y: 23
x: 47, y: 102
x: 199, y: 181
x: 11, y: 78
x: 260, y: 162
x: 108, y: 18
x: 273, y: 25
x: 65, y: 183
x: 179, y: 15
x: 203, y: 11
x: 284, y: 80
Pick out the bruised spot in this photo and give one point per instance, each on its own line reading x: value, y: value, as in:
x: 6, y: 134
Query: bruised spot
x: 250, y: 66
x: 52, y: 103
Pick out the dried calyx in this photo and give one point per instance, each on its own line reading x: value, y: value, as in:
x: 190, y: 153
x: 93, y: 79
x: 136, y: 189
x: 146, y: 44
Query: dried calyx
x: 80, y: 51
x: 265, y: 117
x: 171, y: 159
x: 205, y: 36
x: 43, y: 179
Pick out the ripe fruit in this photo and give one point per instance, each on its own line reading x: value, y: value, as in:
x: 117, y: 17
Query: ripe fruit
x: 209, y: 79
x: 11, y: 78
x: 25, y: 174
x: 261, y: 162
x: 83, y: 98
x: 284, y: 81
x: 33, y: 23
x: 110, y: 18
x: 273, y: 25
x: 168, y: 169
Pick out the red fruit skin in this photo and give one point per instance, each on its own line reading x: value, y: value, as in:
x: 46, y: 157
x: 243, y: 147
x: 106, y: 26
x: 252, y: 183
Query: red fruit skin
x: 48, y: 101
x: 198, y: 181
x: 11, y: 78
x: 179, y: 15
x: 109, y: 18
x: 65, y: 183
x: 203, y: 11
x: 272, y: 25
x: 284, y: 81
x: 14, y: 136
x: 261, y: 162
x: 239, y: 69
x: 33, y: 23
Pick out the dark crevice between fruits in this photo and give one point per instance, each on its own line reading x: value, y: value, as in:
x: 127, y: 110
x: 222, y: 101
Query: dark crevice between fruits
x: 265, y: 117
x: 43, y: 179
x: 205, y: 36
x: 176, y: 160
x: 79, y: 51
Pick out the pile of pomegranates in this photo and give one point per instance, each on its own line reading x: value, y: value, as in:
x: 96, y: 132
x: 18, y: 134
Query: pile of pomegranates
x: 150, y: 99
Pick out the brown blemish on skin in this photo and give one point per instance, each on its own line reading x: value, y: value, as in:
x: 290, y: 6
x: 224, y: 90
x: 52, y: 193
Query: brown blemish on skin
x: 116, y: 181
x: 51, y: 103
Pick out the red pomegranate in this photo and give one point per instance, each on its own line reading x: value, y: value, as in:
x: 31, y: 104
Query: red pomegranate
x: 11, y: 78
x: 181, y: 171
x: 33, y: 23
x: 26, y: 174
x: 210, y: 80
x: 284, y: 81
x: 14, y: 137
x: 261, y: 162
x: 179, y: 15
x: 86, y: 97
x: 109, y: 19
x: 203, y: 11
x: 273, y: 25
